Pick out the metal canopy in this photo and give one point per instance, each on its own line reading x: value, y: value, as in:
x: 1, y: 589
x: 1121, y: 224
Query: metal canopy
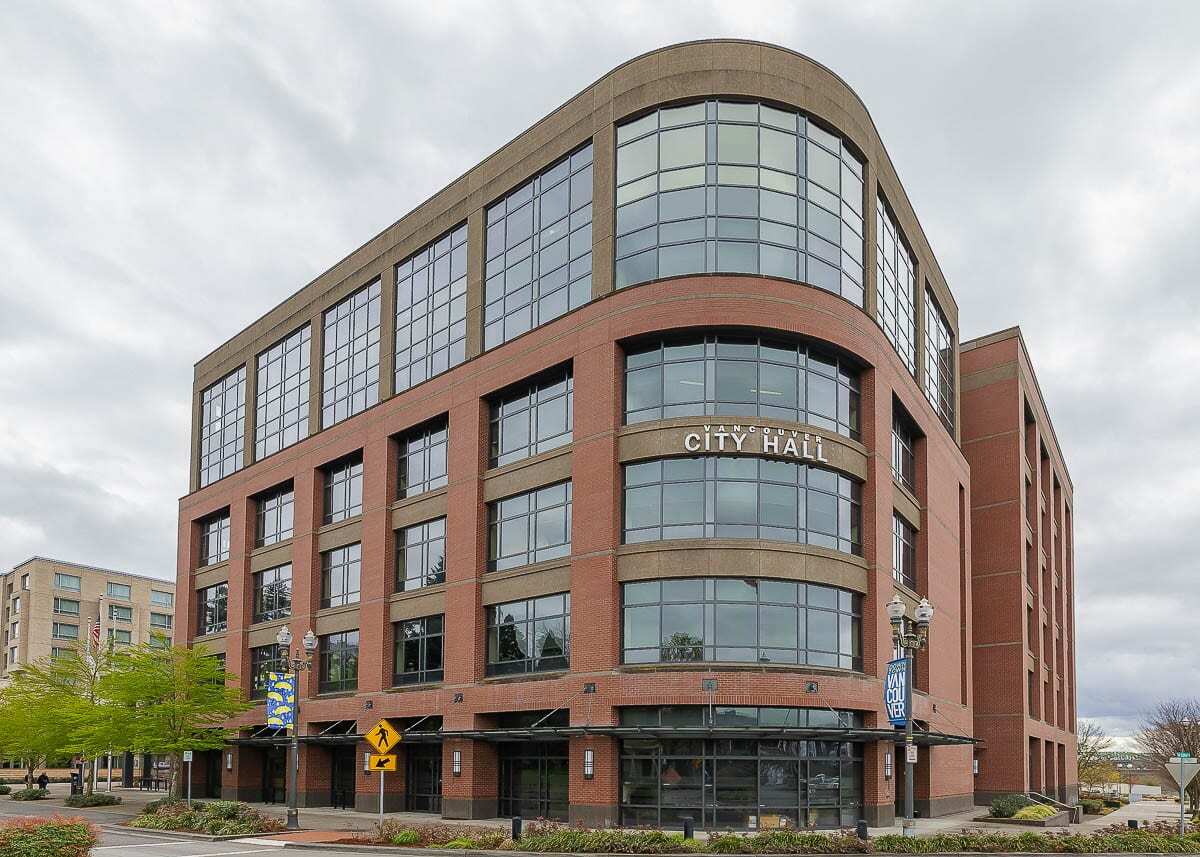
x: 560, y: 733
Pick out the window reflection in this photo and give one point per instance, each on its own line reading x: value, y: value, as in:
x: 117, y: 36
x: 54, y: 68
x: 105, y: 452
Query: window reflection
x: 739, y: 188
x: 741, y: 621
x: 741, y: 497
x: 727, y: 374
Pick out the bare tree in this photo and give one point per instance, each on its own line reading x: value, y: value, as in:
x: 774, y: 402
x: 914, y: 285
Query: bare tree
x: 1094, y: 768
x: 1173, y: 726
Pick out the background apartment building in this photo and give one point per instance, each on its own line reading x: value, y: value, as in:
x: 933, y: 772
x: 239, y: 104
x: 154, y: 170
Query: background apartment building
x: 48, y: 603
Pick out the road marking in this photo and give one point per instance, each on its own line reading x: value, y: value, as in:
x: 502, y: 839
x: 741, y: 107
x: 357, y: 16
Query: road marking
x: 139, y: 845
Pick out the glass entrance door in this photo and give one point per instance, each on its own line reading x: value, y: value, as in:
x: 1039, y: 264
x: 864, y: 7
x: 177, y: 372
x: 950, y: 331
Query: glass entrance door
x: 343, y: 774
x: 275, y: 775
x: 423, y: 778
x: 533, y: 779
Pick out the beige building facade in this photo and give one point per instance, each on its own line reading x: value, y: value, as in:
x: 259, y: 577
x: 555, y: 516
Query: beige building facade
x: 48, y: 605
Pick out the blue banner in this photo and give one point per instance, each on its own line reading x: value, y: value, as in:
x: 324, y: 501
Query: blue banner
x: 281, y: 700
x: 895, y: 691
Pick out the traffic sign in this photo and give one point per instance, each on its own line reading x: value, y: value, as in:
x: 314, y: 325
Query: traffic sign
x: 910, y: 753
x: 382, y: 736
x: 1183, y: 770
x: 187, y: 755
x: 1183, y: 755
x: 383, y: 763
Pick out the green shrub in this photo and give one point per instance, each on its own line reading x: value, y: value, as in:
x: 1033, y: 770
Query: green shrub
x: 218, y: 818
x: 155, y: 805
x: 438, y: 835
x: 47, y: 837
x: 94, y: 799
x: 1113, y: 802
x: 30, y: 794
x: 5, y: 788
x: 1034, y: 812
x: 405, y: 837
x: 1092, y: 806
x: 1006, y: 806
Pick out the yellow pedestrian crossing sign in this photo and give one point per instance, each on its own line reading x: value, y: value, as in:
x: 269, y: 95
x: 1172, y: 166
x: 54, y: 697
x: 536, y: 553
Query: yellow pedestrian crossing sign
x: 383, y: 737
x: 382, y: 763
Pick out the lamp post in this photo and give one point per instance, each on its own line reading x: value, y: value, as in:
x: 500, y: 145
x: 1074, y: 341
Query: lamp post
x: 910, y: 636
x: 297, y: 662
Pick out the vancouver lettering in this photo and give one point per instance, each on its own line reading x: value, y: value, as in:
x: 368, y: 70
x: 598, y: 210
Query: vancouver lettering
x: 767, y: 440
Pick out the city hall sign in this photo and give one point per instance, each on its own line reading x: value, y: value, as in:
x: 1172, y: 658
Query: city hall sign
x: 764, y: 440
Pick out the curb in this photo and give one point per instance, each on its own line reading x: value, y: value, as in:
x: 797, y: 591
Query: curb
x: 169, y: 834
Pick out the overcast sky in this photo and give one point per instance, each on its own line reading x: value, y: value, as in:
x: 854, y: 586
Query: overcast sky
x: 170, y: 172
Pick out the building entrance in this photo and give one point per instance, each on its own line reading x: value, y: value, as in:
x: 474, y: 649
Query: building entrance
x: 423, y: 778
x: 274, y: 775
x: 533, y: 779
x: 342, y: 776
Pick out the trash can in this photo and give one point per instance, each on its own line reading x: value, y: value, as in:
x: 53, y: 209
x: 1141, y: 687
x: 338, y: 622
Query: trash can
x: 76, y: 783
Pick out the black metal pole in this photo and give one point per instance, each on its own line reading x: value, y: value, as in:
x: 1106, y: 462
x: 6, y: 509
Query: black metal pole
x: 293, y: 813
x: 908, y: 740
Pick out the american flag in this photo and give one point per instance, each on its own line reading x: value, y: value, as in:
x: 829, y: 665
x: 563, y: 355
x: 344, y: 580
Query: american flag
x: 94, y: 633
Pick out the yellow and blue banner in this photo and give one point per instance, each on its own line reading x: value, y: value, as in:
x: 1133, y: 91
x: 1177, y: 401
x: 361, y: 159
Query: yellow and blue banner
x: 281, y: 700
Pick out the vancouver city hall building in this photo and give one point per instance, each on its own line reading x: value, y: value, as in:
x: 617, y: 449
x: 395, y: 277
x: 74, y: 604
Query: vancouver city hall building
x: 595, y: 473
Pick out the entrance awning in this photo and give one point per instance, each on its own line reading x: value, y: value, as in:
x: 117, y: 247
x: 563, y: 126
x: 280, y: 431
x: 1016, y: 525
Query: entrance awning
x: 562, y: 733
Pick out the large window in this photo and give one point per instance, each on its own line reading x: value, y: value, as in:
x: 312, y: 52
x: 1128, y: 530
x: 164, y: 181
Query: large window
x: 338, y: 662
x: 123, y: 591
x: 341, y: 570
x: 119, y: 636
x: 741, y: 620
x: 742, y: 498
x: 120, y: 613
x: 162, y: 620
x: 222, y: 427
x: 418, y: 652
x: 273, y: 593
x: 213, y: 604
x: 534, y: 419
x: 214, y: 539
x: 897, y: 309
x: 350, y: 381
x: 539, y: 250
x: 265, y: 660
x: 162, y: 599
x: 423, y: 459
x: 274, y: 516
x: 281, y: 402
x: 529, y: 636
x: 66, y: 606
x: 64, y: 631
x: 431, y: 309
x: 741, y: 376
x: 69, y: 582
x: 939, y: 360
x: 421, y: 555
x: 738, y: 188
x: 741, y: 784
x: 904, y: 443
x: 530, y: 527
x: 904, y: 552
x: 343, y: 489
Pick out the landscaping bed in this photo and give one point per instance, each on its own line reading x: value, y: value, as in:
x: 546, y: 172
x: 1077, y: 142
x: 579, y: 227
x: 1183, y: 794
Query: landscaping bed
x: 544, y: 837
x: 215, y: 818
x: 55, y: 836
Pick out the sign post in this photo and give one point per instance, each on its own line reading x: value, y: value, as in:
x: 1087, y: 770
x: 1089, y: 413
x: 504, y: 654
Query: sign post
x: 383, y: 737
x: 1183, y: 769
x: 187, y: 758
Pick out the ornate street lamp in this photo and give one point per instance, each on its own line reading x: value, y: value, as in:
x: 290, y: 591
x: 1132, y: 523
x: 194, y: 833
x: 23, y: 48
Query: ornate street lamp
x: 909, y: 635
x: 297, y: 662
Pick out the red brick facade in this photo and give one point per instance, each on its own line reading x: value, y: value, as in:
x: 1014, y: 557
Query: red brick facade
x: 592, y: 340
